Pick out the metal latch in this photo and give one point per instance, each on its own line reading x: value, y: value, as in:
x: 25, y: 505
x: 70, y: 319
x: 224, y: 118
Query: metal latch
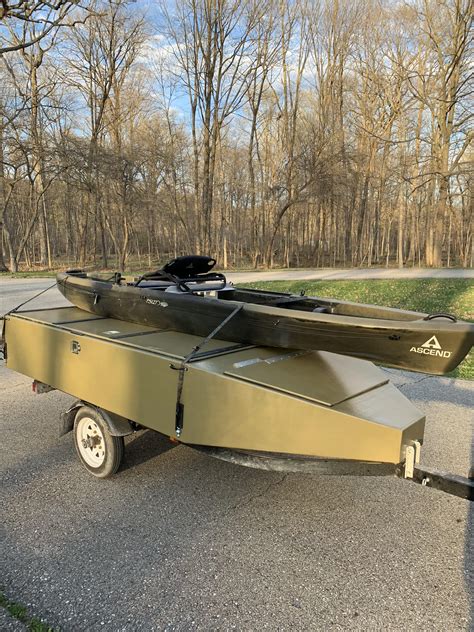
x: 412, y: 457
x: 75, y: 346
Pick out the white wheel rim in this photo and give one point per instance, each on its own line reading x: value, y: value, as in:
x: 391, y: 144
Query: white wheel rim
x: 90, y: 442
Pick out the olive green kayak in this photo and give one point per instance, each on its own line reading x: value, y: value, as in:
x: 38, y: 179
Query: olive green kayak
x: 186, y: 296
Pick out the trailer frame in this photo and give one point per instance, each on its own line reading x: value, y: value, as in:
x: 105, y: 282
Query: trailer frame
x: 37, y: 342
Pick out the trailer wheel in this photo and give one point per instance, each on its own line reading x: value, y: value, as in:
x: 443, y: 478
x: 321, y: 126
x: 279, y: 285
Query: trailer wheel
x: 100, y: 452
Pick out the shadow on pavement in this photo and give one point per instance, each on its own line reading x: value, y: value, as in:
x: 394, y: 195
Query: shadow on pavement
x: 142, y: 447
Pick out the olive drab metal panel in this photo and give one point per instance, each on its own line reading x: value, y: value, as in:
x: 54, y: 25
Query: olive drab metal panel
x: 253, y: 398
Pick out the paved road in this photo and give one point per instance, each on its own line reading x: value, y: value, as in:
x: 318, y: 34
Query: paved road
x: 178, y: 541
x: 330, y: 274
x: 14, y: 291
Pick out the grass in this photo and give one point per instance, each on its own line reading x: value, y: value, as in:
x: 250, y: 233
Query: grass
x: 454, y: 296
x: 32, y: 274
x: 20, y: 613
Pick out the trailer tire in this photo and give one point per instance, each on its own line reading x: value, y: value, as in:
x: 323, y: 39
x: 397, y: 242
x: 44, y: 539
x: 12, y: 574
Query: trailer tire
x: 99, y: 452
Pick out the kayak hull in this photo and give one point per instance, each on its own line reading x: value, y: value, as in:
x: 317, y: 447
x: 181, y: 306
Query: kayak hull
x: 396, y: 338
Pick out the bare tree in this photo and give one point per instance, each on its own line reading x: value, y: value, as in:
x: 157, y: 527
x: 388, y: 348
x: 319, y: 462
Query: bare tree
x: 447, y: 35
x: 214, y: 52
x: 310, y: 132
x: 28, y: 23
x: 293, y: 43
x: 100, y: 56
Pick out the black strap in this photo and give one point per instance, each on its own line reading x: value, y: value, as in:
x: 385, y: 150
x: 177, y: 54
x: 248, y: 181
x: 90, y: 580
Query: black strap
x: 182, y: 368
x: 12, y: 311
x: 15, y: 309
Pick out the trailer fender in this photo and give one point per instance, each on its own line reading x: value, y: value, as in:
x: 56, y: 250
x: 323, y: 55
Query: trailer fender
x: 66, y: 418
x: 116, y: 425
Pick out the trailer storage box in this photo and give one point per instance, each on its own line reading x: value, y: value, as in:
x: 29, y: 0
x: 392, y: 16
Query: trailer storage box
x: 238, y: 397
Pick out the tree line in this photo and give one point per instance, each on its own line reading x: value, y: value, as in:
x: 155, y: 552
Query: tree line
x: 262, y: 132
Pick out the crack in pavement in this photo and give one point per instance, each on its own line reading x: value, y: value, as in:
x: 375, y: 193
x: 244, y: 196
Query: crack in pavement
x: 422, y: 379
x: 253, y: 497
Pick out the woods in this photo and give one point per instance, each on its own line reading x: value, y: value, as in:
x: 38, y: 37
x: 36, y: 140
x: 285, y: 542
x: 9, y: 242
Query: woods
x: 309, y: 133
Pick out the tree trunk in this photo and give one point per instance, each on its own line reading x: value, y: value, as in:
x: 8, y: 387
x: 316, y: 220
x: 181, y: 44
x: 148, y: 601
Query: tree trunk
x: 3, y: 267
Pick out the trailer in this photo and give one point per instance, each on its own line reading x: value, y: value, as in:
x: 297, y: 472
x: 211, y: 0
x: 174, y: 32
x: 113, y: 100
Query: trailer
x: 291, y: 410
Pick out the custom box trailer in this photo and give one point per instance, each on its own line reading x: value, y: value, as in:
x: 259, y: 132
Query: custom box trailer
x: 256, y: 406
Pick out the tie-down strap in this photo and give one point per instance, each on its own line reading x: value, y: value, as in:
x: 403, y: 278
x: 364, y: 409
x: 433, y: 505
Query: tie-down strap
x: 182, y: 368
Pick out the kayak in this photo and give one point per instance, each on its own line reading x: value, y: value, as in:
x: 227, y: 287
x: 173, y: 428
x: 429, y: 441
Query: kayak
x: 187, y: 296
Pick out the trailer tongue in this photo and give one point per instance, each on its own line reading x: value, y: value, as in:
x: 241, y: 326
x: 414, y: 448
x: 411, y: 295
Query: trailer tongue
x: 258, y: 406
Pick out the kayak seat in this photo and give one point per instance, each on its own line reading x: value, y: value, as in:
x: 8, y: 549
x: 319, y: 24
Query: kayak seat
x: 189, y: 266
x: 321, y: 310
x: 181, y: 271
